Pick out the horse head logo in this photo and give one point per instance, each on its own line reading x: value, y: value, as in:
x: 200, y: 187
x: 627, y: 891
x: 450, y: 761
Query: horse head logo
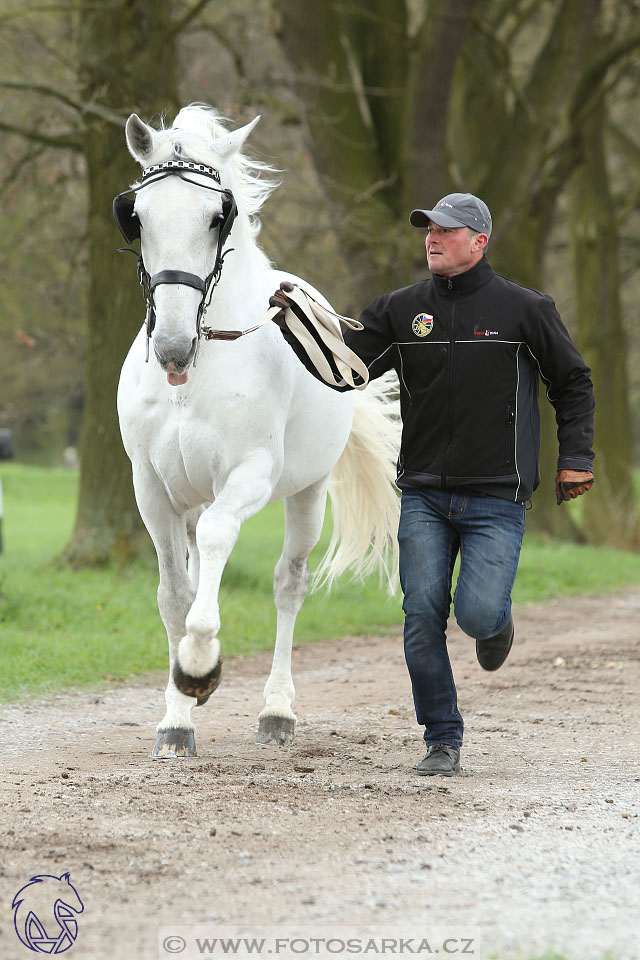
x: 44, y: 913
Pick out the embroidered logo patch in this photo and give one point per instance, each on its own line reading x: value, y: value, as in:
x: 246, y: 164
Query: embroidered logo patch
x: 422, y: 325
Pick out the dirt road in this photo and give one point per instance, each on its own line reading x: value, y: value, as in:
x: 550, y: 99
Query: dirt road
x: 535, y: 845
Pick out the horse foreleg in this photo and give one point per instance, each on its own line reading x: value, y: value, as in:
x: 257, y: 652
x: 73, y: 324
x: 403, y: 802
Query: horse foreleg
x: 197, y: 668
x: 175, y: 732
x: 193, y: 564
x: 304, y: 514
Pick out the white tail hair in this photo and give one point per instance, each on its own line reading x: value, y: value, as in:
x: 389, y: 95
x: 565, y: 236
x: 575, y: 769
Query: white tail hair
x: 364, y: 500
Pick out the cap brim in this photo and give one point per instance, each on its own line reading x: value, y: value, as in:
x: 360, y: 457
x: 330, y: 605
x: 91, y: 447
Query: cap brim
x: 422, y: 218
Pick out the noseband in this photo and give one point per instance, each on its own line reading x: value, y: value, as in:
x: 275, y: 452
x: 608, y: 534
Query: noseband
x: 130, y: 228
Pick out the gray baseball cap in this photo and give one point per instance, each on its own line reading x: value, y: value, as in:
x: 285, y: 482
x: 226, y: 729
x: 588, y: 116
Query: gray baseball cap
x: 456, y: 210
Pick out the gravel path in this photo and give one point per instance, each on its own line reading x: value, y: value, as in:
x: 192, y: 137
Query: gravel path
x: 534, y: 846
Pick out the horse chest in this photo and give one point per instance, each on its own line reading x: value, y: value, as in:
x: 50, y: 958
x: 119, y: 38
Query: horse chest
x: 192, y: 456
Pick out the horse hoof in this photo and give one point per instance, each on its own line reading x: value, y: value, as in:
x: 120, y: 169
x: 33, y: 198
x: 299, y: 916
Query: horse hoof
x: 278, y: 730
x: 199, y: 687
x: 171, y: 744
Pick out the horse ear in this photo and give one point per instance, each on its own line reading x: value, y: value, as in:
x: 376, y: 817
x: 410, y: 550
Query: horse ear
x: 231, y: 143
x: 140, y: 138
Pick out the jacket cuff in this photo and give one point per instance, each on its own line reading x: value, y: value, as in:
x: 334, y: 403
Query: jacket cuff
x: 575, y: 463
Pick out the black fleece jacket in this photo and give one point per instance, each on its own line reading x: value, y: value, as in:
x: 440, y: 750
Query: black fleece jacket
x: 469, y: 351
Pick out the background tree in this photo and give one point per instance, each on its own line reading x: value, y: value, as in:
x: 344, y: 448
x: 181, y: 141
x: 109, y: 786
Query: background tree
x: 492, y: 93
x: 375, y: 90
x: 124, y: 56
x: 610, y: 515
x: 118, y: 43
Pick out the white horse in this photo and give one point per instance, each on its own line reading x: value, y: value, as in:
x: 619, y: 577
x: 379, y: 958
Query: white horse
x: 216, y: 430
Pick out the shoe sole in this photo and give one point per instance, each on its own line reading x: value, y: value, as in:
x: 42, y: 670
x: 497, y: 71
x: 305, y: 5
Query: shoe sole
x: 438, y: 773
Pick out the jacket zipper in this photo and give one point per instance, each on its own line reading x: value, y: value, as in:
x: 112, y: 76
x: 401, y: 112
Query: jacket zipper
x: 452, y: 337
x: 510, y: 438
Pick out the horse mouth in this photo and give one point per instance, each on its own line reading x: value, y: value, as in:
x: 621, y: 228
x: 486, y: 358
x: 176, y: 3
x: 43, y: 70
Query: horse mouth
x: 176, y: 379
x: 177, y: 371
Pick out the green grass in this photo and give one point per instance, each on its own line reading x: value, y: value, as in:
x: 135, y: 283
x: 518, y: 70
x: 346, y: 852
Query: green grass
x: 60, y: 628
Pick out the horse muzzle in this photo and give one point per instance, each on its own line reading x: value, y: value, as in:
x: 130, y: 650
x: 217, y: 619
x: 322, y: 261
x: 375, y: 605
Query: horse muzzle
x: 175, y: 356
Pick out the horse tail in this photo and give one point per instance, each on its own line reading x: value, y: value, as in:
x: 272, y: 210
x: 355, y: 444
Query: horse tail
x: 364, y: 499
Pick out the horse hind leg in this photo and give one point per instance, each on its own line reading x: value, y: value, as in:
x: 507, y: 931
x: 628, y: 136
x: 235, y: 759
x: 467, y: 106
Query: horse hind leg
x: 304, y: 515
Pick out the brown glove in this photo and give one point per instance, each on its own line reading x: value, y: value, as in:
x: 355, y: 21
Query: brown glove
x: 572, y: 483
x: 280, y: 299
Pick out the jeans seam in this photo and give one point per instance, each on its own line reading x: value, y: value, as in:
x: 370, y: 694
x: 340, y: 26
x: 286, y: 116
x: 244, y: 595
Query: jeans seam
x: 461, y: 512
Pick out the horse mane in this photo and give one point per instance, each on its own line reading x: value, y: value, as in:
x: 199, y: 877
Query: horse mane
x: 193, y: 136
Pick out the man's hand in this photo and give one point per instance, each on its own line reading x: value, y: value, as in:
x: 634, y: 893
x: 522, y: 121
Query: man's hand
x: 572, y: 483
x: 280, y: 299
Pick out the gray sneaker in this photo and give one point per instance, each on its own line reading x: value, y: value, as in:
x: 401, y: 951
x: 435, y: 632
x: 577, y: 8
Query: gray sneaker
x: 441, y: 758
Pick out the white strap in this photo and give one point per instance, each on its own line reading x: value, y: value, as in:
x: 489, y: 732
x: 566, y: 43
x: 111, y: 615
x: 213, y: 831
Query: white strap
x: 328, y: 330
x: 324, y: 323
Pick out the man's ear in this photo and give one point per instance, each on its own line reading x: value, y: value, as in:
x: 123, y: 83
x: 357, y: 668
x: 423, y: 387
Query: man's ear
x: 479, y: 242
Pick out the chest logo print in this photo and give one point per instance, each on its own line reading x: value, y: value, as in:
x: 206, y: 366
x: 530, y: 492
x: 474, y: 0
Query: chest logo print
x: 422, y: 324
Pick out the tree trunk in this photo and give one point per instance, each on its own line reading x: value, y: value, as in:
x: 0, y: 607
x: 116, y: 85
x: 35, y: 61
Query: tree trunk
x: 609, y: 508
x: 510, y: 174
x: 523, y: 261
x: 127, y: 60
x: 376, y: 125
x: 318, y: 41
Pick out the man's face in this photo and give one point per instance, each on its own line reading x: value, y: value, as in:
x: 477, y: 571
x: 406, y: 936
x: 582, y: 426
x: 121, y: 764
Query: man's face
x: 452, y: 250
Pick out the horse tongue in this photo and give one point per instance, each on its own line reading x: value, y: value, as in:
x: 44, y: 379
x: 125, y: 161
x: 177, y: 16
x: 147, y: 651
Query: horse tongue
x: 177, y: 379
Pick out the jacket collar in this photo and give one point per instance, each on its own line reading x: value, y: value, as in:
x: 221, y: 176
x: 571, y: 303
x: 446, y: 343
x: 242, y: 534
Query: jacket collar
x: 464, y: 282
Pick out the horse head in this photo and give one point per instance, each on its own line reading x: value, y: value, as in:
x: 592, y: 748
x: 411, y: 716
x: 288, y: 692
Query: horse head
x: 184, y: 212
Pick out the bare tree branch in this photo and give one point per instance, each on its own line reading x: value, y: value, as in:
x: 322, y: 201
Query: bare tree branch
x: 48, y: 8
x: 185, y: 20
x: 589, y: 83
x: 111, y: 116
x: 14, y: 172
x: 69, y: 141
x: 522, y: 18
x: 630, y: 150
x: 224, y: 41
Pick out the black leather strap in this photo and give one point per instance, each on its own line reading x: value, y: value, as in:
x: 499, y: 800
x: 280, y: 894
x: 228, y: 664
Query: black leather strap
x: 178, y: 276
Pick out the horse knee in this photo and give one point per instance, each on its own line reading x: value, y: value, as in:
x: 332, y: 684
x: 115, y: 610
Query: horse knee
x: 202, y: 624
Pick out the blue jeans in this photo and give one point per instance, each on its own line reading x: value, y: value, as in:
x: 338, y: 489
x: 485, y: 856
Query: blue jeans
x: 436, y: 525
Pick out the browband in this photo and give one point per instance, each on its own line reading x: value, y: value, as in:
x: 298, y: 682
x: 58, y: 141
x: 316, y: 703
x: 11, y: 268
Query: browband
x: 181, y: 165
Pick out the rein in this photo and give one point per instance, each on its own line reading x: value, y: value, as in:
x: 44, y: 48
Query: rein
x: 322, y: 322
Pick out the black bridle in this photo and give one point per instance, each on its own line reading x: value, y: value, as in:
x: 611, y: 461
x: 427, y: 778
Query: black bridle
x: 130, y: 228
